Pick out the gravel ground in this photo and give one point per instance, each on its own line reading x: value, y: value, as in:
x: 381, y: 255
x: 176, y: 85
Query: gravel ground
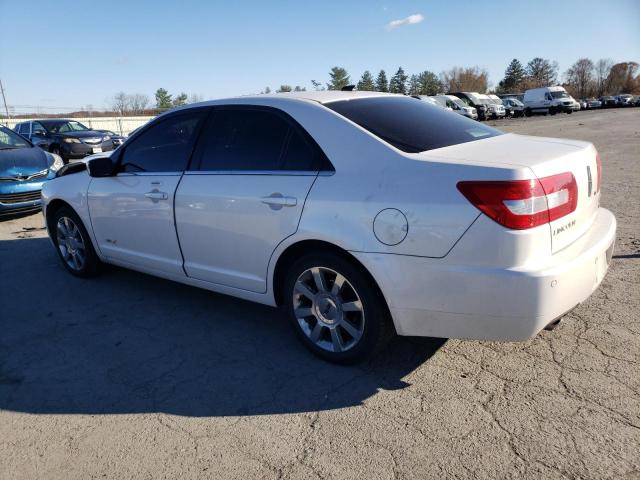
x: 130, y: 376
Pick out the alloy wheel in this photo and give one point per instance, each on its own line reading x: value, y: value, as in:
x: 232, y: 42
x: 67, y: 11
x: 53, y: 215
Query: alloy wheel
x: 71, y: 244
x: 328, y: 309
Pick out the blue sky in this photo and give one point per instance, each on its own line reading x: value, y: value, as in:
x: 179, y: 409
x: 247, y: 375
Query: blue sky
x: 70, y: 53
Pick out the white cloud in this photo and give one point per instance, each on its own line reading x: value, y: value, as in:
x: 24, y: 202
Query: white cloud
x: 410, y: 20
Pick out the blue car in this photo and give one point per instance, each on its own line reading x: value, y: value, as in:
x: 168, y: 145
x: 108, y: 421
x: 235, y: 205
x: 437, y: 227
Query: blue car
x: 23, y: 170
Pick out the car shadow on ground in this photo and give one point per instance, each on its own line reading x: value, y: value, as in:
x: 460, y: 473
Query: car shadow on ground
x: 125, y: 342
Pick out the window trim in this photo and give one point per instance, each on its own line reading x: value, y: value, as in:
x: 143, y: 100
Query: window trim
x: 325, y: 164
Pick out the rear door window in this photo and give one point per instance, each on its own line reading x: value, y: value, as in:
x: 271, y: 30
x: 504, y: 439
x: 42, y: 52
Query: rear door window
x: 248, y: 139
x: 411, y: 125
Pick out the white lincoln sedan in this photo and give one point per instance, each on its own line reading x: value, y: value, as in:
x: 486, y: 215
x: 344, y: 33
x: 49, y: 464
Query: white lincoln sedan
x: 362, y: 214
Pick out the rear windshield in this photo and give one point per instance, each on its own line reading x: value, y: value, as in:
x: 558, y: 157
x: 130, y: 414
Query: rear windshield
x: 411, y: 125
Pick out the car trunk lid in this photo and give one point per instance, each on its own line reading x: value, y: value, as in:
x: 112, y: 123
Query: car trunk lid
x: 545, y: 157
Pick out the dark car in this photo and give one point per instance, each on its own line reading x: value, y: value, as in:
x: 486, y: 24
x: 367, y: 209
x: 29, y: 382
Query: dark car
x: 23, y: 170
x: 471, y: 99
x: 609, y: 101
x: 115, y: 138
x: 68, y: 138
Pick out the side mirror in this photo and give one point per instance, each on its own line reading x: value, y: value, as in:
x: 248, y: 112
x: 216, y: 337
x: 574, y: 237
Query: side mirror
x: 100, y: 167
x: 39, y: 134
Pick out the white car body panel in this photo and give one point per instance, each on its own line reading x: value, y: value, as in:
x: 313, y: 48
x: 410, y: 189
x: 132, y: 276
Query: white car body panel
x: 455, y: 272
x: 227, y: 228
x: 132, y: 228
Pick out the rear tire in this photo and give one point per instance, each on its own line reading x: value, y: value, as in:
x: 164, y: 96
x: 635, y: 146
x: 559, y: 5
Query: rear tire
x: 336, y: 309
x: 73, y: 243
x: 527, y: 112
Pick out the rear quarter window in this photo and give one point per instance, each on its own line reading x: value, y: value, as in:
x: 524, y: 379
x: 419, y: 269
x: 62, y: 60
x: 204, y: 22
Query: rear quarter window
x: 411, y: 125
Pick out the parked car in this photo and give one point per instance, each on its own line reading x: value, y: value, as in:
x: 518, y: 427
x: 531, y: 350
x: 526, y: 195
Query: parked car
x: 69, y: 139
x: 473, y: 99
x: 23, y: 169
x: 517, y: 96
x: 115, y: 138
x: 550, y: 100
x: 593, y: 103
x: 609, y: 101
x: 636, y: 101
x: 457, y: 105
x: 362, y: 213
x: 513, y: 106
x: 624, y: 100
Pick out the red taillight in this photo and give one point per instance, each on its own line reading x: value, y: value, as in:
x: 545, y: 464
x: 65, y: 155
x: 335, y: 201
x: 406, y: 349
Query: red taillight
x: 599, y: 166
x: 522, y: 204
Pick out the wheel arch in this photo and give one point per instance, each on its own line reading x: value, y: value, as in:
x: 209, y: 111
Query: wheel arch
x: 294, y: 251
x: 52, y: 207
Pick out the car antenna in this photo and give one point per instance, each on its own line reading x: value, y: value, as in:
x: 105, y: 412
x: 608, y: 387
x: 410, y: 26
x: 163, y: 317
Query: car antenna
x: 348, y: 88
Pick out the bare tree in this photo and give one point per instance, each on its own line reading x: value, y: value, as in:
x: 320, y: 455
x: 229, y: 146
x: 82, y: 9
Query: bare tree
x: 602, y: 69
x: 469, y: 79
x: 138, y: 103
x: 580, y: 77
x: 120, y: 103
x: 195, y: 98
x: 622, y: 78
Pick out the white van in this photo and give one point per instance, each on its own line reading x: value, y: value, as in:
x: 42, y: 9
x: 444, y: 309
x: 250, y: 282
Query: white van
x: 454, y: 103
x: 548, y: 100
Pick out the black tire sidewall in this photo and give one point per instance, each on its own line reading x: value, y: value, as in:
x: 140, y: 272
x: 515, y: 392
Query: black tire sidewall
x: 92, y: 262
x: 377, y: 322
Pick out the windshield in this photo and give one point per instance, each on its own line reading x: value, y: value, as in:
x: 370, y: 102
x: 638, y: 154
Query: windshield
x: 410, y: 125
x: 9, y: 140
x: 65, y: 127
x: 559, y: 94
x: 457, y: 101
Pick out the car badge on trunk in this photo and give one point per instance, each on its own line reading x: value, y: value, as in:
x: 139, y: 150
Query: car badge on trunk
x: 590, y: 181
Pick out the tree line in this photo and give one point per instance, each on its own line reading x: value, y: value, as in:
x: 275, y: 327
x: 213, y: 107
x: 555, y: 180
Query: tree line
x: 137, y: 104
x: 583, y: 79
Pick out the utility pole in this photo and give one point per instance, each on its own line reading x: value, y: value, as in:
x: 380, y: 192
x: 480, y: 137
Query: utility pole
x: 4, y: 100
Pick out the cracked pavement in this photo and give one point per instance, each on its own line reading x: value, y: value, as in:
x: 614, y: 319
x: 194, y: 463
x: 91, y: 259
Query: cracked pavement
x: 130, y: 376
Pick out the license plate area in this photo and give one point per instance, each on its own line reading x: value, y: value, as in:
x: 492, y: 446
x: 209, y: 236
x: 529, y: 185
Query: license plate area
x: 96, y: 149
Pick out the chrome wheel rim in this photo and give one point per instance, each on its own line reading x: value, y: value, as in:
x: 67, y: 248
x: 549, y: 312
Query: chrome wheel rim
x: 328, y: 309
x: 71, y: 244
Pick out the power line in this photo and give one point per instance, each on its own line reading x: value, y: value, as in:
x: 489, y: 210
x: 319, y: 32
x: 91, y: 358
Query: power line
x: 4, y: 100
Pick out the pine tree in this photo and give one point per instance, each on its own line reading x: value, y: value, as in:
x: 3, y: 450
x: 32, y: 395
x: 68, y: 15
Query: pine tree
x: 366, y: 82
x: 284, y: 88
x: 514, y: 77
x: 428, y: 83
x: 414, y: 85
x: 339, y: 78
x: 398, y: 83
x: 541, y: 72
x: 163, y: 99
x: 382, y: 85
x: 180, y: 100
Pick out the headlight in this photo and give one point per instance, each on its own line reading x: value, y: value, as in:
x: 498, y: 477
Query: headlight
x: 57, y: 162
x: 106, y: 138
x: 71, y: 140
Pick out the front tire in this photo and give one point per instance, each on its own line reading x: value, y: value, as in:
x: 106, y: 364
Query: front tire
x: 73, y: 244
x: 336, y: 309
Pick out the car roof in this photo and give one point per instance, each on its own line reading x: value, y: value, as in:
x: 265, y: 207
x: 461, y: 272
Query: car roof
x: 322, y: 96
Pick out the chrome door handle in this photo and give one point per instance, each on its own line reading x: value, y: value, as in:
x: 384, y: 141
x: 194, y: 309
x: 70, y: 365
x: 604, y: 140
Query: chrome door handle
x: 276, y: 201
x: 156, y: 195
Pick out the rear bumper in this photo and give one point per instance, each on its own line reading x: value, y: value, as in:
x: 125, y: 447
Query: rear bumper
x: 429, y: 297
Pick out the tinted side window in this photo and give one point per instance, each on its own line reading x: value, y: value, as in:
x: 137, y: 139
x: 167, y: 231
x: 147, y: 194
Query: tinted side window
x: 411, y: 125
x: 24, y: 129
x: 165, y: 146
x: 38, y: 128
x: 243, y: 139
x: 300, y: 155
